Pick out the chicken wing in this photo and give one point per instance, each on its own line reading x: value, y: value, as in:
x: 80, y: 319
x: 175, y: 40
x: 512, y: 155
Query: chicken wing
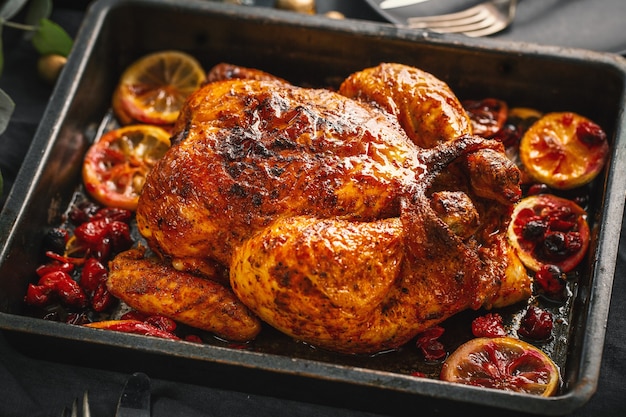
x: 149, y: 286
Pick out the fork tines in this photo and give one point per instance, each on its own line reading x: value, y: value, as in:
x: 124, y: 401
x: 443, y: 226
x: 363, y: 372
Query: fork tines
x: 73, y: 412
x: 480, y: 20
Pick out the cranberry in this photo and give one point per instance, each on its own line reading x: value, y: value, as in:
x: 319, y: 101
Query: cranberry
x: 55, y: 240
x: 54, y: 266
x: 119, y: 234
x: 93, y: 273
x: 559, y: 245
x: 537, y: 189
x: 82, y: 212
x: 103, y: 237
x: 509, y: 135
x: 536, y: 324
x: 161, y: 322
x: 567, y: 119
x: 102, y: 299
x: 428, y: 342
x: 550, y: 277
x: 554, y: 245
x: 489, y: 325
x: 534, y: 230
x: 590, y: 133
x: 111, y: 213
x: 193, y: 338
x: 59, y: 285
x: 562, y: 224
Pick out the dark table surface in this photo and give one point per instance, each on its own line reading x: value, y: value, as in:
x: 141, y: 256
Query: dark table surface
x: 38, y: 387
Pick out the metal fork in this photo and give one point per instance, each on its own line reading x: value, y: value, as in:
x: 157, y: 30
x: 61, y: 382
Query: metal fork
x: 73, y: 412
x: 481, y: 20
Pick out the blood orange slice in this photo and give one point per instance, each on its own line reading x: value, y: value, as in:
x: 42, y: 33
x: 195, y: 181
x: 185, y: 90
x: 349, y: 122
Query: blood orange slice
x: 564, y: 150
x: 115, y: 166
x: 549, y: 230
x: 502, y: 363
x: 487, y: 115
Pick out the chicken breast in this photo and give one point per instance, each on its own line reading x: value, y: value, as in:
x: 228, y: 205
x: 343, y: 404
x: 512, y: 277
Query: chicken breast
x: 247, y: 152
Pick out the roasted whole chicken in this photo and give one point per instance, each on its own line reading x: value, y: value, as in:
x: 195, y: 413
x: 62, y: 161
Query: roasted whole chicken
x: 351, y: 220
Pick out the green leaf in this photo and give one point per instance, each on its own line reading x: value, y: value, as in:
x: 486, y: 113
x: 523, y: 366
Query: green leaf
x: 37, y: 10
x: 50, y: 38
x: 10, y: 8
x: 6, y: 110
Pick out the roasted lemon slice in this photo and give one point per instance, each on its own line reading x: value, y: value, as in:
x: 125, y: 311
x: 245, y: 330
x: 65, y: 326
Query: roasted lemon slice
x: 153, y: 89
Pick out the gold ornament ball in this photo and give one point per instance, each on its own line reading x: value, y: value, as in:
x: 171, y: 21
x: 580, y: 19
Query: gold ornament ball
x: 49, y: 67
x: 334, y: 14
x: 300, y: 6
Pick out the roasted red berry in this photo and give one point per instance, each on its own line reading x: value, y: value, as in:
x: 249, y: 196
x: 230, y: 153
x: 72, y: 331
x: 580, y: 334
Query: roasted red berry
x: 590, y: 133
x: 57, y: 284
x: 82, y: 212
x: 489, y: 325
x: 55, y: 240
x: 428, y: 342
x: 536, y: 189
x: 102, y: 299
x: 113, y: 214
x: 93, y: 273
x: 536, y: 324
x: 487, y: 115
x: 551, y: 282
x: 161, y: 322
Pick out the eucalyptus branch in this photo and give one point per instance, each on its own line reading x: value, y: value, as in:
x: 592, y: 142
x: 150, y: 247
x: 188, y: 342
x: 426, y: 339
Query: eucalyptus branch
x: 50, y: 40
x: 16, y: 25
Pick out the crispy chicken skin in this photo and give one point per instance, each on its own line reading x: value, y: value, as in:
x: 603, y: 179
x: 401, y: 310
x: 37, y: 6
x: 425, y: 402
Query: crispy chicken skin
x: 248, y: 152
x: 149, y: 286
x: 337, y: 227
x: 425, y: 106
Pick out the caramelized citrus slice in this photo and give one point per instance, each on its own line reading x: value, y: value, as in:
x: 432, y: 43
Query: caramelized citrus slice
x: 487, y: 115
x: 153, y: 89
x: 549, y: 230
x: 132, y: 326
x: 503, y: 363
x: 525, y: 113
x: 564, y: 150
x: 115, y: 167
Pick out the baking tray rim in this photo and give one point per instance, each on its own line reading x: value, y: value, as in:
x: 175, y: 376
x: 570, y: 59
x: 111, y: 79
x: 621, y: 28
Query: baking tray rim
x: 45, y: 136
x: 306, y: 368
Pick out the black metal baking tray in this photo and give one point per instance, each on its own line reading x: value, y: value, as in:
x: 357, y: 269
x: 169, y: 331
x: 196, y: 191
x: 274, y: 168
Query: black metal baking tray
x: 311, y: 50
